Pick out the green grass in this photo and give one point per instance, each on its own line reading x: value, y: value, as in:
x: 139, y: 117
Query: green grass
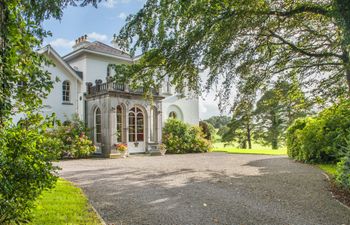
x: 257, y: 149
x: 64, y: 204
x: 330, y: 169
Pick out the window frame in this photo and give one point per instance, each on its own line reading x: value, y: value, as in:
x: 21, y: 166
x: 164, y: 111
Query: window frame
x: 66, y: 86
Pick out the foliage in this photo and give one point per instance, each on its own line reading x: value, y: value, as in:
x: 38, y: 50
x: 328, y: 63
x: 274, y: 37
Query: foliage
x: 26, y: 149
x: 241, y: 125
x: 121, y: 147
x: 321, y: 138
x: 277, y: 109
x: 23, y: 81
x: 343, y: 171
x: 218, y: 121
x: 208, y: 130
x: 266, y: 41
x: 64, y: 204
x: 343, y: 166
x: 73, y: 139
x: 26, y: 153
x: 180, y: 138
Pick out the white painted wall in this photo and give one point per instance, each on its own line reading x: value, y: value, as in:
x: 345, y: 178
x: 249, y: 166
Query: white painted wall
x: 189, y: 108
x: 54, y: 102
x: 94, y: 66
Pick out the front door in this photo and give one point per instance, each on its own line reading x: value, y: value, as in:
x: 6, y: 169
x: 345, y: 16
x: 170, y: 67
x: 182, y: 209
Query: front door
x: 136, y: 139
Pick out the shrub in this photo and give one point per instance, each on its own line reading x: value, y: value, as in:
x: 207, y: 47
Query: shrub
x: 293, y: 141
x: 26, y: 153
x: 320, y: 139
x: 180, y: 137
x: 74, y: 142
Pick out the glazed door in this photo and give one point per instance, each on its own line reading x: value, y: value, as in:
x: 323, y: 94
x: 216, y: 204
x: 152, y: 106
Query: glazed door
x: 136, y: 139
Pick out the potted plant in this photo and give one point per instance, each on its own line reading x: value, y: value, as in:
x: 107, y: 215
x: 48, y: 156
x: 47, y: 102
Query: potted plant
x: 162, y: 149
x: 122, y: 148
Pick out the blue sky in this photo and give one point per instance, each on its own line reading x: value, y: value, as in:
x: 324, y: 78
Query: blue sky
x: 100, y: 24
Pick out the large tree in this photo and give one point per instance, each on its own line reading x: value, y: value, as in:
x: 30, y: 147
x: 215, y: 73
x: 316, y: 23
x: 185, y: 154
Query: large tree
x: 256, y: 40
x: 242, y: 122
x: 23, y: 83
x: 26, y: 150
x: 277, y: 108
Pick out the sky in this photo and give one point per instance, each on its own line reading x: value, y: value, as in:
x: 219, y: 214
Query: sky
x: 100, y: 24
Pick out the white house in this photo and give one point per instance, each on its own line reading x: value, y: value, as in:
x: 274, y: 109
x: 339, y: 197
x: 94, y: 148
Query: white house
x: 114, y: 112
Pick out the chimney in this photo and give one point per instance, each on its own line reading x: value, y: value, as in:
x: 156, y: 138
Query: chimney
x: 117, y: 43
x: 81, y: 42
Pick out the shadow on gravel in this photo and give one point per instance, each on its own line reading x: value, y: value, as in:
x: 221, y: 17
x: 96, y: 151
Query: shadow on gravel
x: 284, y: 192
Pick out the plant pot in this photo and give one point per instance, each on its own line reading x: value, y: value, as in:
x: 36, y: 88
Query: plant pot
x: 123, y: 154
x: 162, y: 152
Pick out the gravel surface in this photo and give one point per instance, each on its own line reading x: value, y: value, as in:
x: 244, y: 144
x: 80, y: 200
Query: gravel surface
x: 212, y: 188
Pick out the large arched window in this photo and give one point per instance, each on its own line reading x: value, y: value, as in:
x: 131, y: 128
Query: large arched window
x: 136, y: 125
x: 119, y: 123
x: 66, y: 91
x: 98, y: 125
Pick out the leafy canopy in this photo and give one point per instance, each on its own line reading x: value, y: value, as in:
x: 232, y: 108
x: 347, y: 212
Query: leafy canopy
x: 254, y: 41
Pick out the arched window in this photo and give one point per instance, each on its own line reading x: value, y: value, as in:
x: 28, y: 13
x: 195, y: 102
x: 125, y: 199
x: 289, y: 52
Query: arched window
x: 98, y: 125
x: 119, y: 123
x: 66, y: 91
x: 136, y: 125
x: 172, y: 115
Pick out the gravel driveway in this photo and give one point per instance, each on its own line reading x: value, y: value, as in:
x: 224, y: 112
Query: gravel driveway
x: 212, y: 188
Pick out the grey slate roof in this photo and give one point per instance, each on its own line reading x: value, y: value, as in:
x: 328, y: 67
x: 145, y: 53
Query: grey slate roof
x: 100, y: 47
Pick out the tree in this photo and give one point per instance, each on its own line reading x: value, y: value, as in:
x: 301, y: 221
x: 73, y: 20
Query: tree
x: 218, y: 121
x: 241, y: 125
x: 253, y: 40
x: 26, y: 150
x: 277, y: 109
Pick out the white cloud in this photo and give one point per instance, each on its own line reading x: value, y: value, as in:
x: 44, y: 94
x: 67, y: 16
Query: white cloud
x: 97, y: 36
x: 113, y: 3
x: 62, y: 43
x: 122, y: 15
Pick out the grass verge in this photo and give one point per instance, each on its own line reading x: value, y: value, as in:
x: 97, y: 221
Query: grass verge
x: 330, y: 169
x: 257, y: 150
x: 64, y: 204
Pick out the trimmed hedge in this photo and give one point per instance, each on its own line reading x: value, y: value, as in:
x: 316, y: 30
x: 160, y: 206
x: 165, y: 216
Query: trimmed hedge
x: 179, y: 138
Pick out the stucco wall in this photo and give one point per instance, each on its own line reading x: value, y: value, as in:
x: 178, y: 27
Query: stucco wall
x: 189, y: 108
x: 54, y: 102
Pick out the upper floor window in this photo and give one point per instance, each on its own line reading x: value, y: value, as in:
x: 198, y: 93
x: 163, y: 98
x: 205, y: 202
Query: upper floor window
x: 66, y: 91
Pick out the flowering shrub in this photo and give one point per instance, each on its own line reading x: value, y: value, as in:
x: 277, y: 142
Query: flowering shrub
x: 121, y: 147
x: 179, y: 137
x: 74, y: 142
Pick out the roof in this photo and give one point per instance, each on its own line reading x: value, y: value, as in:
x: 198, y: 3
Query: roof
x: 99, y: 48
x: 50, y: 51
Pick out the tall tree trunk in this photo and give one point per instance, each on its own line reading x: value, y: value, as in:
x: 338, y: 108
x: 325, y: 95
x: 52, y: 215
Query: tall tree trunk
x: 274, y: 131
x: 249, y: 138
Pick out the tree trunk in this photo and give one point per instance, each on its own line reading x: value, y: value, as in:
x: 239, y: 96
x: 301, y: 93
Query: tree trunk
x: 249, y: 138
x: 274, y: 131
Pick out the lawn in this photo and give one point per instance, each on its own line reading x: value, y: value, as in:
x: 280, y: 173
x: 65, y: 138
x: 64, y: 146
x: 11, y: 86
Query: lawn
x: 64, y: 204
x: 257, y: 149
x: 330, y: 169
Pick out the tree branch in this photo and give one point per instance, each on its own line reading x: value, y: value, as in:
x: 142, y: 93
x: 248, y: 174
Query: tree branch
x: 302, y: 51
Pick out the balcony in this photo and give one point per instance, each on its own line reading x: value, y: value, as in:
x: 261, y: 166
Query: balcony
x: 111, y: 87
